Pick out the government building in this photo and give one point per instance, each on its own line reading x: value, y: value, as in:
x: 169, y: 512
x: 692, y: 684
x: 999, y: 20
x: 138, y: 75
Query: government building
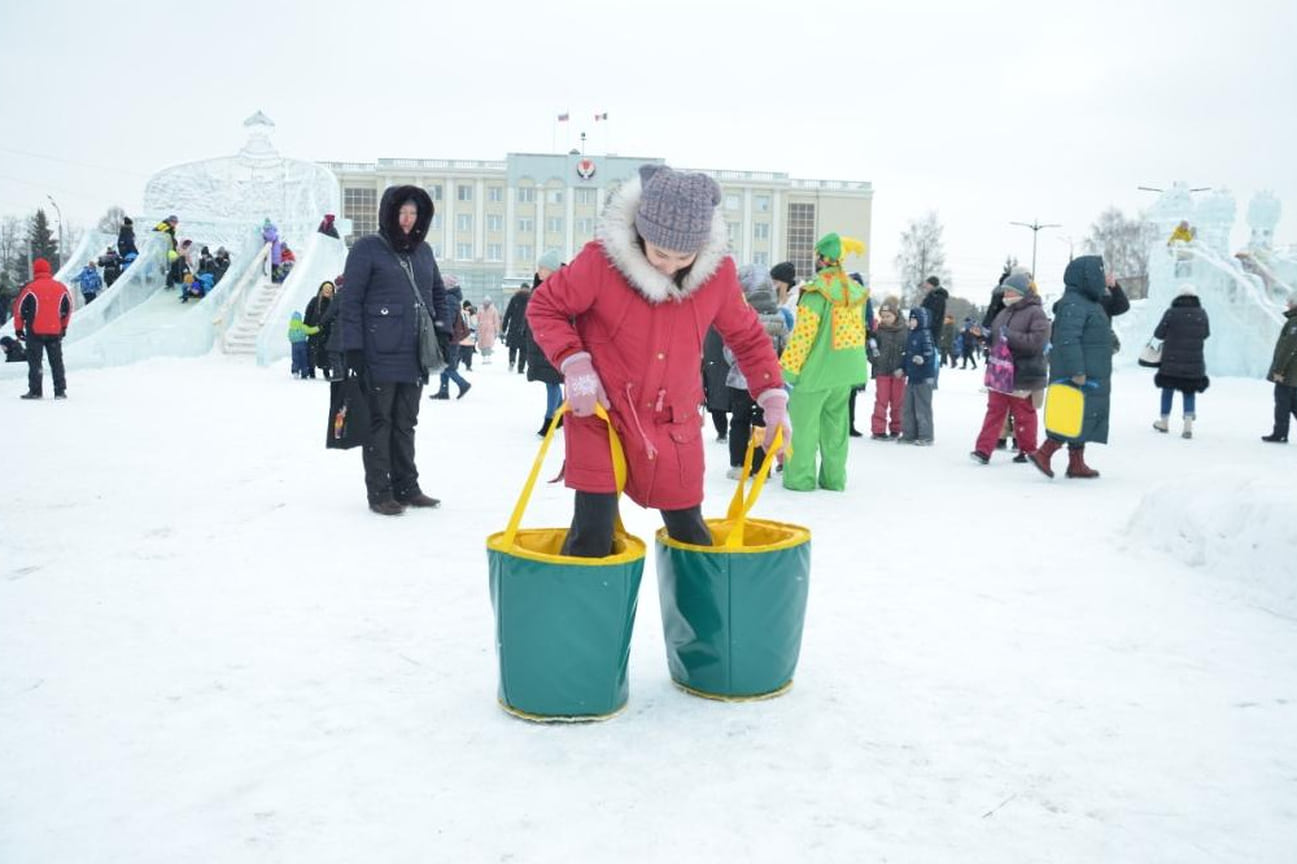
x: 495, y: 219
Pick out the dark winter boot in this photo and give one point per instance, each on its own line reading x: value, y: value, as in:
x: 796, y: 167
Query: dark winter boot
x: 544, y: 426
x: 1273, y: 437
x: 1076, y: 466
x: 30, y: 396
x: 1043, y: 454
x: 386, y: 507
x: 418, y: 499
x: 443, y: 393
x: 463, y: 390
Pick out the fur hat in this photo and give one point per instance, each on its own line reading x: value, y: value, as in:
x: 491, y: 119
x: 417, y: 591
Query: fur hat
x: 757, y: 288
x: 784, y: 272
x: 449, y: 281
x: 675, y: 209
x: 933, y: 281
x: 892, y: 304
x: 1186, y: 290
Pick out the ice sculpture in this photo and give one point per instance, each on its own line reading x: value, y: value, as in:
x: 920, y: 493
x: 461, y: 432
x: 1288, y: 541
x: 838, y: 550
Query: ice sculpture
x: 1244, y: 294
x: 219, y: 202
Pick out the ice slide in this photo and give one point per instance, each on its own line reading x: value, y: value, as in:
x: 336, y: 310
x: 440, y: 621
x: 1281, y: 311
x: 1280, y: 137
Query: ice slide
x: 323, y: 260
x: 1245, y: 316
x: 90, y: 247
x: 136, y: 284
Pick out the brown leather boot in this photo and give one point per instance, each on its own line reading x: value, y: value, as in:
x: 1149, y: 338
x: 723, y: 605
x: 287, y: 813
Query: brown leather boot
x: 1042, y: 456
x: 1076, y: 466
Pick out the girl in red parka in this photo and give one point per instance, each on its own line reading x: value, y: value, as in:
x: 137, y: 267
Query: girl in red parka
x: 624, y: 323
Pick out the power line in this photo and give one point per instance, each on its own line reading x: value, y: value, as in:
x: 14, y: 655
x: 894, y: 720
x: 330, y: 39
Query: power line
x: 116, y: 168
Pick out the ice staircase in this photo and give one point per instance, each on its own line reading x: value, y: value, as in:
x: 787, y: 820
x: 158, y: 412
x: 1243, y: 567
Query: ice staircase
x: 241, y: 336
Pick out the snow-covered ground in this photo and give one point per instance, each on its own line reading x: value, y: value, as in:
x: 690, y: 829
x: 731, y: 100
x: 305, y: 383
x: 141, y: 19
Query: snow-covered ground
x: 210, y: 650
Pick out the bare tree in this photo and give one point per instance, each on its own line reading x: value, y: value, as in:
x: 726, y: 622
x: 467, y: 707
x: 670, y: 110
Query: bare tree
x: 922, y: 254
x: 1123, y: 243
x: 13, y: 247
x: 111, y: 221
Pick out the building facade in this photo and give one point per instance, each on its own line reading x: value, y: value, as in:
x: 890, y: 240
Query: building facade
x: 495, y: 219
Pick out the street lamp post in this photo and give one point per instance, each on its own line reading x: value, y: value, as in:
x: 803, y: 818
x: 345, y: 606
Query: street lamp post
x: 60, y: 215
x: 1035, y: 227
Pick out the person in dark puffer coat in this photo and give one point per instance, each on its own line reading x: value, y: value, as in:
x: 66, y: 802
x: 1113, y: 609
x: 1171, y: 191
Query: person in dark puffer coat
x: 1183, y: 328
x: 380, y: 338
x: 1082, y: 340
x: 1283, y: 372
x: 515, y: 330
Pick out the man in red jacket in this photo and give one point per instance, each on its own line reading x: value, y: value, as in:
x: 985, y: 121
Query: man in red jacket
x: 43, y: 310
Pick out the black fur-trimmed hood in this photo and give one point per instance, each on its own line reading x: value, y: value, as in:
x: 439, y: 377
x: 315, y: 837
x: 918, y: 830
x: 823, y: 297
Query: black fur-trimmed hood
x: 390, y: 207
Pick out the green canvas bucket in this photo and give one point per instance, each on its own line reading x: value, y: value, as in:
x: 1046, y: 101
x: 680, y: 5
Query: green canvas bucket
x: 563, y: 624
x: 733, y: 612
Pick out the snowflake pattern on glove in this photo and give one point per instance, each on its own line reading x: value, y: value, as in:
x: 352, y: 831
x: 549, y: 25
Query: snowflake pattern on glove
x: 583, y: 385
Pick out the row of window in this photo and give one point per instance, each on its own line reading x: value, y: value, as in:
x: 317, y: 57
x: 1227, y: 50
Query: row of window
x: 526, y: 224
x: 526, y: 194
x: 360, y: 205
x: 760, y: 203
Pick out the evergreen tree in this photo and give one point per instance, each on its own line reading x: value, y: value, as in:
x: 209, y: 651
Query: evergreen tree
x: 43, y: 242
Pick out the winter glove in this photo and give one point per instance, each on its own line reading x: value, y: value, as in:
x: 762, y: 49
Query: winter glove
x: 774, y: 404
x: 899, y: 373
x: 584, y: 389
x: 355, y: 363
x: 918, y: 359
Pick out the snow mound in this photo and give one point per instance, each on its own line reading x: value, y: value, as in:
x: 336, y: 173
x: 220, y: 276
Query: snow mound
x: 1239, y: 531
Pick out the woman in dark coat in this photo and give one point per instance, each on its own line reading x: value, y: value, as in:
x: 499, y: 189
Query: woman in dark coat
x: 538, y: 366
x: 514, y: 328
x: 1183, y: 329
x: 1082, y: 340
x: 715, y: 392
x: 126, y: 238
x: 317, y: 316
x: 380, y: 336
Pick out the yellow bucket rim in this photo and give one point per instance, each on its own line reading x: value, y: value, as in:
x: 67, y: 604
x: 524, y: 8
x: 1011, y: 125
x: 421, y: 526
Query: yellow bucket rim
x: 798, y: 535
x: 635, y: 550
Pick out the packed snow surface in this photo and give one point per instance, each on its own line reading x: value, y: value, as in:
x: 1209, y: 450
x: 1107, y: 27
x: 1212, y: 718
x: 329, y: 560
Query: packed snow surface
x: 211, y: 651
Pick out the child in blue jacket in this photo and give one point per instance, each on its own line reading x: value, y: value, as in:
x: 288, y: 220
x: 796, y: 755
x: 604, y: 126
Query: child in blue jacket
x: 920, y: 369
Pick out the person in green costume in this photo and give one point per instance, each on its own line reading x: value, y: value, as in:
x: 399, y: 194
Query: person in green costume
x: 824, y: 359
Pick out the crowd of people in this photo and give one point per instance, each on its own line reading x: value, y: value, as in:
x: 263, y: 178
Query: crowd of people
x: 615, y: 332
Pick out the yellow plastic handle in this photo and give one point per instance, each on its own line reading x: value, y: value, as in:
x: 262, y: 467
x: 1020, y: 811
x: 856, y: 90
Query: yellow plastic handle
x: 741, y: 504
x: 618, y: 467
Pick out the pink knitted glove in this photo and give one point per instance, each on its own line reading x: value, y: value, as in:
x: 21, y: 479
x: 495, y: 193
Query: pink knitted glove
x: 584, y: 389
x: 774, y: 404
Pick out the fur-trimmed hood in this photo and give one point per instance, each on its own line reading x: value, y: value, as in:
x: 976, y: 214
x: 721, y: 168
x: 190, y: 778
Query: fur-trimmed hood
x: 620, y: 241
x: 389, y: 209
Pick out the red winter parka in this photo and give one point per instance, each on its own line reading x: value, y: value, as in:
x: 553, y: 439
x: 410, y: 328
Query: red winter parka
x: 45, y: 306
x: 645, y: 334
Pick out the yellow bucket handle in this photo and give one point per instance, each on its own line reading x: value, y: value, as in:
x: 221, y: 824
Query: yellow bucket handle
x: 740, y: 504
x: 618, y: 468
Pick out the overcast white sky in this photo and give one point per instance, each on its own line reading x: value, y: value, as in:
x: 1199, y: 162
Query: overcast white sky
x: 988, y: 113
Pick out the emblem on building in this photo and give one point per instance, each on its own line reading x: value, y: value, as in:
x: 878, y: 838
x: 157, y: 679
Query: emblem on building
x: 585, y: 169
